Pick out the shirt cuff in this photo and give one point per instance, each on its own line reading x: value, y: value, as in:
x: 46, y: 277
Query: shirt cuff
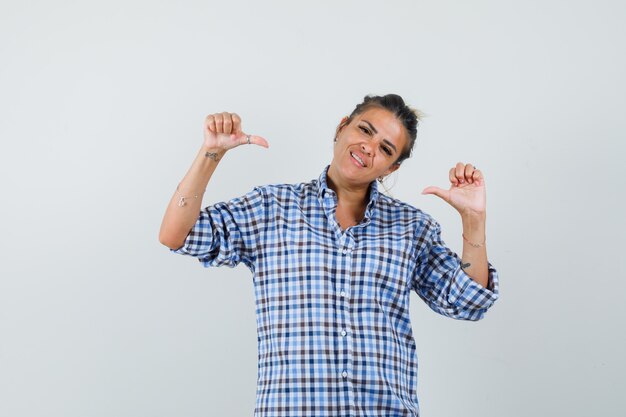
x: 472, y: 295
x: 198, y: 240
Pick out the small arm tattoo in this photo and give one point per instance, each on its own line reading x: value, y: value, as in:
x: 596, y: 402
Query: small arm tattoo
x: 465, y: 265
x: 212, y: 155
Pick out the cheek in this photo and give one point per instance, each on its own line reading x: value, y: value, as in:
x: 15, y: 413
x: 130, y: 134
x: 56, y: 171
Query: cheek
x: 404, y: 153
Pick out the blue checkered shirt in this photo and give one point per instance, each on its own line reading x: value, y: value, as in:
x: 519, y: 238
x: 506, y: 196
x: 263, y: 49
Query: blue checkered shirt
x: 332, y: 306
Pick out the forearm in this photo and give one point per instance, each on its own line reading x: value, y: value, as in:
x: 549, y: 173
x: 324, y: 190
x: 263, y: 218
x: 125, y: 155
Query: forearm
x: 180, y: 216
x: 474, y: 259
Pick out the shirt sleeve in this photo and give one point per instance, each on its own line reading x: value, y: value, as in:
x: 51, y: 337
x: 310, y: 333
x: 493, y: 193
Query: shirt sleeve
x: 445, y: 287
x: 227, y: 233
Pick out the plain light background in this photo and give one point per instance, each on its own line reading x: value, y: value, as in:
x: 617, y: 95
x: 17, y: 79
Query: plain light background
x: 102, y: 105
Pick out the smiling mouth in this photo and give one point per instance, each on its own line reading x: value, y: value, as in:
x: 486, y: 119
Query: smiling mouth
x: 357, y: 158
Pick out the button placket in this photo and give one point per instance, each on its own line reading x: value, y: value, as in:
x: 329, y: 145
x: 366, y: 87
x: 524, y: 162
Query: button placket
x: 347, y: 332
x: 346, y: 245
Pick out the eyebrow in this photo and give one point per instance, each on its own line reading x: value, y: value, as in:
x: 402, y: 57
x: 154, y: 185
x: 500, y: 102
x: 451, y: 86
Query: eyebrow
x: 376, y: 131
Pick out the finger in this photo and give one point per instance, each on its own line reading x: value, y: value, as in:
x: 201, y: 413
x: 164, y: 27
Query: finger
x: 219, y: 122
x: 227, y: 122
x: 443, y: 194
x: 236, y: 123
x: 478, y: 177
x: 469, y: 170
x: 210, y: 123
x: 452, y: 176
x: 254, y: 140
x: 460, y: 172
x: 258, y: 140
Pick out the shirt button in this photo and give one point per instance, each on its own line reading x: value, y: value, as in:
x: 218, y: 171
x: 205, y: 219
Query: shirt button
x: 344, y: 374
x: 342, y: 293
x: 343, y: 333
x: 344, y: 251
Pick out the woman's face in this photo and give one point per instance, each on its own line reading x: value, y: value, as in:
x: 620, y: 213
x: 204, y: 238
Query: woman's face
x: 368, y: 147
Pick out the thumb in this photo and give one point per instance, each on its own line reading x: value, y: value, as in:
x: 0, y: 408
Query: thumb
x: 443, y: 194
x: 242, y: 138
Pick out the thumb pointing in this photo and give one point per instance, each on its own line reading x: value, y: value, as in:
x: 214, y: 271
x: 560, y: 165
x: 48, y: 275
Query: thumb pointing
x: 243, y: 138
x: 443, y: 194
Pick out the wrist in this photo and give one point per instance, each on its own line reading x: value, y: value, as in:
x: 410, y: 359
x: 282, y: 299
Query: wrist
x: 213, y: 153
x: 470, y: 216
x: 474, y: 225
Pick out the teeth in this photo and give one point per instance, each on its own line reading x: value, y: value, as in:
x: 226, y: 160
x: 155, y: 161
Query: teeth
x: 357, y: 158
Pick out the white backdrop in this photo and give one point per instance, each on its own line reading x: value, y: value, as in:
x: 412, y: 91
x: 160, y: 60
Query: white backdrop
x: 102, y: 105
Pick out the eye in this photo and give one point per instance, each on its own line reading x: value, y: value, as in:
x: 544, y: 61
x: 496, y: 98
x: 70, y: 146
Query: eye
x: 365, y: 129
x: 386, y: 150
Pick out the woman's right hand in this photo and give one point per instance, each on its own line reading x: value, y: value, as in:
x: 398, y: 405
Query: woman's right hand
x: 223, y: 131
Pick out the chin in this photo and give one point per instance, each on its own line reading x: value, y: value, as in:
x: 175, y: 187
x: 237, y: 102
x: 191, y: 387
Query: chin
x: 356, y: 175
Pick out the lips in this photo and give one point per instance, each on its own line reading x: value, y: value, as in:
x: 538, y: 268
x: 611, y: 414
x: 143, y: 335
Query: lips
x: 358, y: 158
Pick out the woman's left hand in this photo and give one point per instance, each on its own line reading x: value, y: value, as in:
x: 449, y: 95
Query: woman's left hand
x: 467, y: 190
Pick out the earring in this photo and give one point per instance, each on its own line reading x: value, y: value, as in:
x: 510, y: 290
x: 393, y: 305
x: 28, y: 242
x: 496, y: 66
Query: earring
x: 380, y: 179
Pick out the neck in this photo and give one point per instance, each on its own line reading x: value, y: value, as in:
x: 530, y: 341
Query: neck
x: 349, y: 196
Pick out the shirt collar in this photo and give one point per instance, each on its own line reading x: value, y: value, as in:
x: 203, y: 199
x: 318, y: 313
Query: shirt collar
x: 323, y: 192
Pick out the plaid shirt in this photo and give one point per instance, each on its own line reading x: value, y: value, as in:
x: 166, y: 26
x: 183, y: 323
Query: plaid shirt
x: 332, y: 306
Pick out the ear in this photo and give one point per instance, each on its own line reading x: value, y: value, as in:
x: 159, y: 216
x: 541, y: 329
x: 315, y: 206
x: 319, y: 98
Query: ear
x: 342, y: 124
x: 391, y: 169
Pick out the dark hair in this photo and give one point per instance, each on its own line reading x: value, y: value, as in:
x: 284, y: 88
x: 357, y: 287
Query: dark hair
x: 395, y: 104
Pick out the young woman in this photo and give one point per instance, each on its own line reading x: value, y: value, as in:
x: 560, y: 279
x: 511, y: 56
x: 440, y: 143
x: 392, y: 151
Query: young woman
x: 334, y: 262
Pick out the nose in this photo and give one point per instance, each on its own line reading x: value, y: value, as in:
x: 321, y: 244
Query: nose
x: 366, y: 149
